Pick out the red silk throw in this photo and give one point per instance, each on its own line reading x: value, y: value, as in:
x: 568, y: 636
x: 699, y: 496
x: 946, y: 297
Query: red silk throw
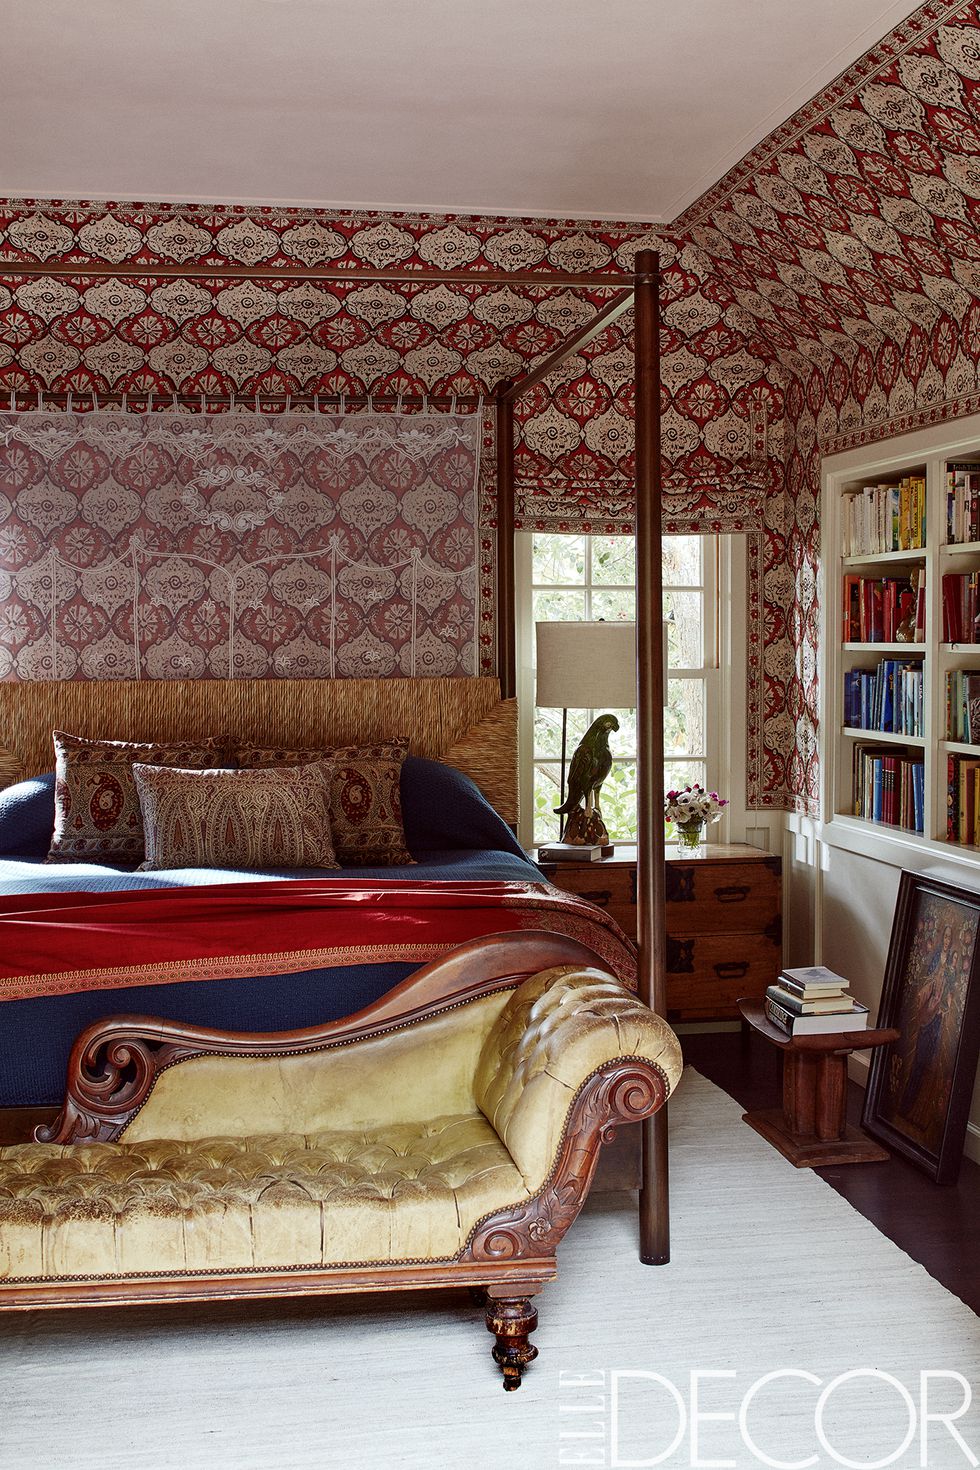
x: 60, y: 943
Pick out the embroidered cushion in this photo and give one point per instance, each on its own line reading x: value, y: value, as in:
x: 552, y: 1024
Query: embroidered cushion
x: 97, y: 812
x: 365, y: 799
x: 272, y: 818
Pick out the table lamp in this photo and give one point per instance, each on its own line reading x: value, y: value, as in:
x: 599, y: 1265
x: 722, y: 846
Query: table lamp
x: 584, y: 666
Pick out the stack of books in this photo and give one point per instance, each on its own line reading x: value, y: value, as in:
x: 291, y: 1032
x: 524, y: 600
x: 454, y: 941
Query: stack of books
x: 888, y: 787
x: 886, y: 517
x: 963, y: 705
x: 889, y: 698
x: 571, y: 852
x: 962, y: 502
x: 876, y: 607
x: 811, y: 1001
x: 961, y: 607
x: 963, y: 800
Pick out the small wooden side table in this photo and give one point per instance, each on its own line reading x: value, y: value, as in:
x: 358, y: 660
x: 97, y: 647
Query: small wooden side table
x: 810, y: 1129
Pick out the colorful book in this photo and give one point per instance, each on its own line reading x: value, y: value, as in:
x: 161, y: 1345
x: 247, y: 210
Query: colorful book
x: 812, y: 978
x: 569, y: 852
x: 825, y: 1005
x: 856, y: 1019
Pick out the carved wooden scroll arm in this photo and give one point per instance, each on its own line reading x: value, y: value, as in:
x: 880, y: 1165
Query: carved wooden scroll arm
x: 115, y: 1062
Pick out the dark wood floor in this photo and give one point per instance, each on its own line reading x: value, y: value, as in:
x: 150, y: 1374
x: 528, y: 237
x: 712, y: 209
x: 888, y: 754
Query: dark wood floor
x: 937, y: 1226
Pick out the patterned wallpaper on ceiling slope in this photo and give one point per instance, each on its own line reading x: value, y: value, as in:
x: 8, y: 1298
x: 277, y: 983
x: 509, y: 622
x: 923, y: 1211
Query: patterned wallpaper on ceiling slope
x: 850, y: 242
x: 722, y: 394
x: 267, y: 337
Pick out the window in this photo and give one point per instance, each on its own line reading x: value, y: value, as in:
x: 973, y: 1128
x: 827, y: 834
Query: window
x: 589, y: 577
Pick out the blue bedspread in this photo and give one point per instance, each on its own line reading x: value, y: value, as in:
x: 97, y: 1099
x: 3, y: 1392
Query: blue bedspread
x: 453, y: 833
x: 33, y: 875
x: 36, y: 1035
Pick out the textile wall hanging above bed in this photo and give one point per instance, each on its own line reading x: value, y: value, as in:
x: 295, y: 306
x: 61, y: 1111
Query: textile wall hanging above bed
x: 169, y: 545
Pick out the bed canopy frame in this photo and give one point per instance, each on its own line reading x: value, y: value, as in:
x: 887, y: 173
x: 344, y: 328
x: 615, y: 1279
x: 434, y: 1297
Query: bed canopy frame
x: 641, y: 292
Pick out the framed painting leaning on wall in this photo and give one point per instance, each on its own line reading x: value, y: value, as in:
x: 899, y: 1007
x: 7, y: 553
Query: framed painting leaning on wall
x: 919, y: 1090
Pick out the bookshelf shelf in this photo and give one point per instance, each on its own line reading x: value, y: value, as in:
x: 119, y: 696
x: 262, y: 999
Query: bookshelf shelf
x: 873, y: 736
x: 857, y: 833
x: 910, y: 648
x: 884, y: 558
x: 911, y: 776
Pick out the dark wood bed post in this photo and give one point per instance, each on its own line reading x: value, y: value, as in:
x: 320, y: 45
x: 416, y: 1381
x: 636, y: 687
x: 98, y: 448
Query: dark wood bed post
x: 506, y: 576
x: 506, y: 396
x: 644, y: 296
x: 654, y: 1191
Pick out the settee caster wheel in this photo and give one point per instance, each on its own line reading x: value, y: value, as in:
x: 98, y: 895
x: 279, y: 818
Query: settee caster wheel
x: 512, y: 1321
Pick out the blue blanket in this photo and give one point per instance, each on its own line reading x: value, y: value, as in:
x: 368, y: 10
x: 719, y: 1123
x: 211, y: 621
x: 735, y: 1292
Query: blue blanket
x: 452, y: 831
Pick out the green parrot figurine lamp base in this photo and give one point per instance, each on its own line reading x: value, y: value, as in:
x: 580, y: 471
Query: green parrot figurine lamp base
x: 591, y: 764
x: 585, y: 666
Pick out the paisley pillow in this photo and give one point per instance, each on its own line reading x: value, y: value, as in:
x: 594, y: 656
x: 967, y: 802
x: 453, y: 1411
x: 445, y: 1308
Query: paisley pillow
x: 272, y: 818
x: 365, y: 798
x: 96, y: 809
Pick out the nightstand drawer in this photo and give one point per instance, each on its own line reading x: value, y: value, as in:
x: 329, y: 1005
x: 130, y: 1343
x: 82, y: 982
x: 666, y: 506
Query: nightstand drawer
x: 723, y: 898
x: 610, y: 887
x: 707, y: 975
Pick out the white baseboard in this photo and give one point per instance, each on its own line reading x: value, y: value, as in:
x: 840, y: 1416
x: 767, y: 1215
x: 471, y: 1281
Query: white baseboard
x: 858, y: 1066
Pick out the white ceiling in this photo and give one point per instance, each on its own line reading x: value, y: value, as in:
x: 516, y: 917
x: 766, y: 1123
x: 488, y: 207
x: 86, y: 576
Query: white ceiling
x: 616, y: 109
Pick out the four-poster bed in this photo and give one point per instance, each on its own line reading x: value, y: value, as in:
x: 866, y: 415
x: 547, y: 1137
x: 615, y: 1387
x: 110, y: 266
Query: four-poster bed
x: 640, y: 292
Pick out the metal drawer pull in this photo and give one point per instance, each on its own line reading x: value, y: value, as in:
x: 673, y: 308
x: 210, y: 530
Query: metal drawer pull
x: 732, y: 969
x: 736, y: 893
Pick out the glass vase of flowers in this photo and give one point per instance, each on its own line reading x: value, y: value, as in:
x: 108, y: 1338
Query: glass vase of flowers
x: 691, y: 810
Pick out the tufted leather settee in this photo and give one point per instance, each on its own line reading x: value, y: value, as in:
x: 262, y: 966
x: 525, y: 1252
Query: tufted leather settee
x: 426, y: 1142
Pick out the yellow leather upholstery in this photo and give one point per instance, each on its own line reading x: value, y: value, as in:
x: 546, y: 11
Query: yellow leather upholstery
x: 388, y: 1079
x: 556, y: 1029
x: 383, y: 1150
x: 404, y: 1193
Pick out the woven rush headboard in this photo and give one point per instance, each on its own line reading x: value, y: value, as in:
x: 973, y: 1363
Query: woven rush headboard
x: 463, y: 722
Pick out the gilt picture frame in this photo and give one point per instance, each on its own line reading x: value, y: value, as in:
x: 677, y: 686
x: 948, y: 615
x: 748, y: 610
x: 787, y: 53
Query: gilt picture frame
x: 919, y: 1089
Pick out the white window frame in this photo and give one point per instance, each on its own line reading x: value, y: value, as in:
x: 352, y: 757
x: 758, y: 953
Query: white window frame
x: 716, y: 563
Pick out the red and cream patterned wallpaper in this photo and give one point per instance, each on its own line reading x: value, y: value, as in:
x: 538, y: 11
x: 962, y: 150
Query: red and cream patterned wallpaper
x: 722, y: 397
x: 850, y: 241
x: 825, y: 292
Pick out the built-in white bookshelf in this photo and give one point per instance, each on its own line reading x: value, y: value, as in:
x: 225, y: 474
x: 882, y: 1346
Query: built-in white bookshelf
x: 923, y: 456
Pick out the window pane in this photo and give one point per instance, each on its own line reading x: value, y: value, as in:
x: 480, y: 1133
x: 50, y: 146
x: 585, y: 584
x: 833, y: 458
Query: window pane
x: 618, y: 801
x: 613, y: 560
x: 622, y: 742
x: 547, y: 730
x: 546, y: 825
x: 682, y: 561
x: 685, y: 644
x: 684, y: 717
x: 558, y: 559
x: 614, y: 606
x: 678, y: 774
x: 559, y: 607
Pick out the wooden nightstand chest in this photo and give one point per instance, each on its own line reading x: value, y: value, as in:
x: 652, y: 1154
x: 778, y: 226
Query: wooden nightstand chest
x: 724, y: 921
x: 609, y: 883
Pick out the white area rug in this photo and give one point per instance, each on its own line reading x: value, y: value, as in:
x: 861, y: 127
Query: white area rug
x: 771, y: 1270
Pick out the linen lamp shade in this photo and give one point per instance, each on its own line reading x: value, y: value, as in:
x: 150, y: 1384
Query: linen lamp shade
x: 586, y: 665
